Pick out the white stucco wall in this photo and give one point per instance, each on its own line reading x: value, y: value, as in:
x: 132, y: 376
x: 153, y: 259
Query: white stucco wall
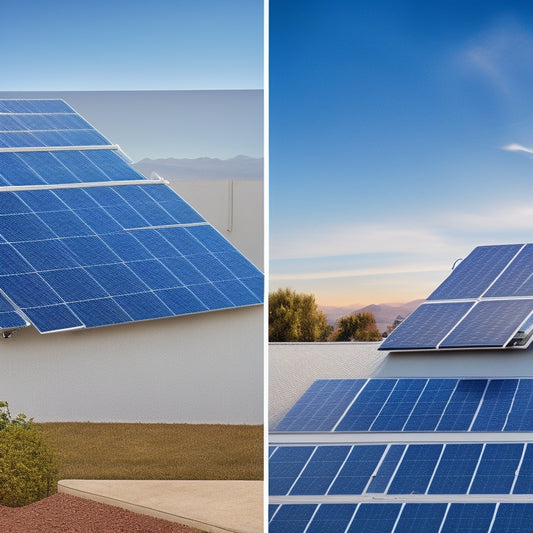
x: 204, y: 368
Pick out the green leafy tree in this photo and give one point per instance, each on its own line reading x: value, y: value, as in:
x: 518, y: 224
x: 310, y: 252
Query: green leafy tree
x: 295, y: 317
x: 356, y: 327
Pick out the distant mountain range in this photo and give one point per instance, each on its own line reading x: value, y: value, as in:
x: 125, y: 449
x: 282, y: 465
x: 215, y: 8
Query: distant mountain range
x: 239, y: 167
x: 384, y: 313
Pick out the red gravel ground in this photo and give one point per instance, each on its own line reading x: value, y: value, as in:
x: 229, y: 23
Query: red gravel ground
x: 62, y: 513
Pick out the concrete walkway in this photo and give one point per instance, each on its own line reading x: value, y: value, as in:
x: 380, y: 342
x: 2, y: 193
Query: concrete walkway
x: 212, y: 506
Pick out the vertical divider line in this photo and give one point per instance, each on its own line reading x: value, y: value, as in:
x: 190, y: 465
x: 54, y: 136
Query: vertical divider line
x: 340, y: 469
x: 446, y: 406
x: 476, y: 469
x: 496, y: 509
x: 350, y: 405
x: 436, y: 467
x: 301, y: 471
x: 512, y: 404
x: 393, y: 475
x: 312, y: 516
x: 398, y: 518
x: 479, y: 405
x: 352, y: 519
x: 444, y: 517
x: 518, y: 468
x: 378, y: 466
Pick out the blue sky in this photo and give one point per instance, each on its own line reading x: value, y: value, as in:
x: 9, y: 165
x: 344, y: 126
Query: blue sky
x: 203, y: 57
x: 401, y: 137
x: 131, y: 45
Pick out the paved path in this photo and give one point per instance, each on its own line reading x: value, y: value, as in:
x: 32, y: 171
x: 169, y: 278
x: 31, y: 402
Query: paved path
x: 211, y: 506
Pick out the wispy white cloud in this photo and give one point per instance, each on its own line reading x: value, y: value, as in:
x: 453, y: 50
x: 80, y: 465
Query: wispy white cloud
x: 500, y: 53
x: 356, y: 238
x: 363, y: 251
x: 517, y: 148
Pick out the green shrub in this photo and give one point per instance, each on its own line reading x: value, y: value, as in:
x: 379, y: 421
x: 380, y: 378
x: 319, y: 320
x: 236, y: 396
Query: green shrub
x: 28, y: 470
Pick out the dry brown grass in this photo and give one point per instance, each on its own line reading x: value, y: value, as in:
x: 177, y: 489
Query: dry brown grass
x: 156, y: 451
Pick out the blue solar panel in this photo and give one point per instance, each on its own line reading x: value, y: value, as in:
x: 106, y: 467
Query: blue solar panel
x: 415, y: 470
x: 399, y: 405
x: 291, y: 518
x: 517, y: 279
x: 513, y: 518
x: 455, y: 469
x: 320, y: 470
x: 9, y: 318
x: 367, y: 406
x: 489, y: 324
x: 30, y: 123
x: 462, y: 405
x: 520, y: 417
x: 444, y: 405
x: 496, y: 405
x: 382, y: 477
x: 375, y: 518
x: 359, y: 466
x: 421, y: 517
x: 321, y: 405
x: 469, y: 518
x: 102, y: 255
x: 427, y: 413
x: 496, y: 471
x: 524, y: 481
x: 56, y: 317
x: 503, y: 271
x: 285, y: 466
x: 473, y: 275
x: 331, y: 518
x: 426, y: 326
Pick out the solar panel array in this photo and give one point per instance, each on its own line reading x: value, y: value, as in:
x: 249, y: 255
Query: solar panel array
x: 413, y: 404
x: 484, y: 303
x: 335, y: 467
x: 402, y: 517
x: 86, y: 241
x: 372, y: 469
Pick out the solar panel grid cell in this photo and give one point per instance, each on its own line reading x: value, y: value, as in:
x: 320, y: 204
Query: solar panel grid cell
x: 468, y: 518
x: 473, y: 275
x: 455, y: 469
x: 496, y: 471
x: 416, y: 469
x: 489, y: 324
x: 524, y: 481
x: 381, y: 479
x: 375, y: 518
x: 428, y: 410
x: 331, y: 518
x: 285, y: 466
x: 520, y: 417
x: 356, y: 471
x: 513, y: 518
x: 399, y: 405
x: 496, y: 404
x: 426, y: 326
x: 367, y: 406
x: 321, y: 469
x: 421, y: 517
x: 462, y: 405
x: 291, y: 518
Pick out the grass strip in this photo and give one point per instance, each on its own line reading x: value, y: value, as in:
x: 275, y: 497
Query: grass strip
x: 87, y: 450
